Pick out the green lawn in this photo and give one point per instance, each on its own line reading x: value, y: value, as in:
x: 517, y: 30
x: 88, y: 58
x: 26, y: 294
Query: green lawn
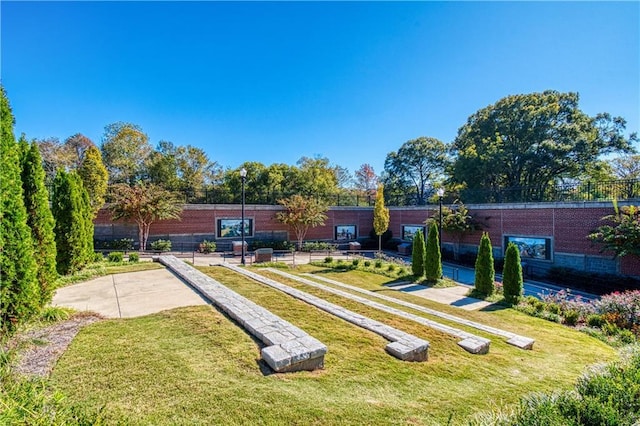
x: 195, y: 366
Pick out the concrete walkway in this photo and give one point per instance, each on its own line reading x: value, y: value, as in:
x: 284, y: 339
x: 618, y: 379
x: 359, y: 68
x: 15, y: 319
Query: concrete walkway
x: 128, y: 295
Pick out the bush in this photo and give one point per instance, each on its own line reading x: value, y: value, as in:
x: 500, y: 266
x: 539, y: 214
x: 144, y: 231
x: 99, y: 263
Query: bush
x: 391, y: 267
x: 328, y: 259
x: 484, y: 270
x: 512, y: 281
x: 318, y: 246
x: 595, y: 320
x: 378, y: 264
x: 115, y: 256
x: 207, y: 247
x: 273, y: 244
x: 367, y: 263
x: 98, y: 257
x: 571, y: 317
x: 161, y: 245
x: 433, y: 260
x: 355, y: 262
x: 418, y: 255
x: 134, y: 257
x: 622, y: 309
x: 124, y: 244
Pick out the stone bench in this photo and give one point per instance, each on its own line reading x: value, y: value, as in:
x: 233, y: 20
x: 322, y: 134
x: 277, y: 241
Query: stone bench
x: 263, y: 255
x: 288, y: 347
x: 403, y: 346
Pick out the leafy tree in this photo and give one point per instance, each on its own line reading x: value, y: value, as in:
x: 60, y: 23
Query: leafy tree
x: 458, y: 222
x: 144, y: 204
x: 366, y: 179
x: 433, y: 259
x: 416, y: 166
x: 76, y: 147
x: 512, y: 282
x: 94, y: 177
x: 622, y: 235
x: 316, y: 177
x: 39, y: 219
x: 527, y: 142
x: 418, y: 255
x: 55, y: 155
x: 626, y: 167
x: 125, y: 150
x: 19, y: 298
x: 301, y: 213
x: 73, y: 225
x: 343, y: 177
x: 485, y: 271
x: 380, y: 216
x: 162, y: 166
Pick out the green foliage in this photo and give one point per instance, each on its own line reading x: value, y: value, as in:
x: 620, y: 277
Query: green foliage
x: 19, y: 292
x: 74, y: 225
x: 144, y: 204
x: 380, y: 216
x: 484, y: 270
x: 622, y: 236
x: 161, y: 245
x: 512, y: 281
x: 433, y: 259
x: 115, y: 256
x: 301, y: 213
x: 207, y: 247
x: 514, y: 133
x: 94, y: 177
x: 39, y: 219
x: 328, y: 259
x: 274, y: 244
x: 418, y: 255
x: 367, y: 263
x: 125, y: 150
x: 318, y: 246
x: 415, y: 166
x: 316, y: 176
x: 124, y: 244
x: 355, y: 262
x: 134, y: 257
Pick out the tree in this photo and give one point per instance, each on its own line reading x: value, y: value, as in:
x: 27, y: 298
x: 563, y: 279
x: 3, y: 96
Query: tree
x: 416, y: 166
x: 73, y: 223
x: 19, y: 298
x: 94, y: 177
x: 622, y: 235
x: 301, y: 213
x: 418, y: 255
x: 512, y: 275
x: 527, y: 142
x: 458, y: 222
x: 316, y: 177
x: 55, y: 156
x: 39, y: 219
x: 433, y: 259
x: 626, y: 167
x: 485, y: 274
x: 76, y: 147
x: 380, y: 216
x: 144, y: 204
x: 366, y: 179
x: 125, y: 150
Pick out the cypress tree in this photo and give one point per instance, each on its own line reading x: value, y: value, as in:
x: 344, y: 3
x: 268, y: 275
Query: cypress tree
x: 433, y: 259
x: 418, y: 255
x: 94, y: 177
x: 485, y: 272
x: 19, y: 298
x: 70, y: 209
x: 512, y: 275
x: 39, y: 219
x: 380, y: 216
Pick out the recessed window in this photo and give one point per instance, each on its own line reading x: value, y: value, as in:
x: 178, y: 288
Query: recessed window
x: 232, y: 228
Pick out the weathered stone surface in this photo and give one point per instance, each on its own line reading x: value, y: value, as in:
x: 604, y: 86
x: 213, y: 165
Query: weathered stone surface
x: 405, y: 346
x: 290, y: 348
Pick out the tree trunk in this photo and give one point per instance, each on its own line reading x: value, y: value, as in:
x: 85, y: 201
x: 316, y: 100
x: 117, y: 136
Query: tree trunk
x: 380, y: 243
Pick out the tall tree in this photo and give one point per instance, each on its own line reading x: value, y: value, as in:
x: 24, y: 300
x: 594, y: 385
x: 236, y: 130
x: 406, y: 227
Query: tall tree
x: 366, y: 179
x: 418, y: 255
x: 144, y: 204
x: 316, y: 177
x: 94, y: 177
x: 73, y: 226
x: 39, y: 219
x: 626, y: 167
x: 433, y: 258
x: 416, y: 166
x: 125, y: 150
x: 55, y: 155
x: 527, y: 142
x: 512, y: 282
x: 76, y: 147
x: 380, y: 216
x: 19, y: 298
x: 457, y: 221
x: 485, y: 273
x: 301, y: 213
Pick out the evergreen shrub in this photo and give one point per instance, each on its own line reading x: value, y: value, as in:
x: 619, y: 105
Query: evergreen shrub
x: 161, y: 245
x: 433, y: 260
x: 418, y: 255
x: 115, y: 256
x: 512, y: 275
x: 134, y: 257
x: 484, y: 268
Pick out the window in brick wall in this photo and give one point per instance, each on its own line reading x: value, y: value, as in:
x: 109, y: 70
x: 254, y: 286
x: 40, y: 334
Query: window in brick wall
x: 538, y: 248
x: 231, y: 228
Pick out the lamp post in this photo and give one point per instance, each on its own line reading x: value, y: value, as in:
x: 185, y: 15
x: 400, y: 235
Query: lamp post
x: 243, y: 177
x: 440, y: 193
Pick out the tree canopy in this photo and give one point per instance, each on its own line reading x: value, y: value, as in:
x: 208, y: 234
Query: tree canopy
x: 301, y: 213
x: 380, y: 216
x: 527, y: 142
x: 125, y: 150
x: 621, y: 235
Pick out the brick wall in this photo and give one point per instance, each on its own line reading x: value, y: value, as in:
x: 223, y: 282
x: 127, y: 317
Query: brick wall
x: 567, y: 224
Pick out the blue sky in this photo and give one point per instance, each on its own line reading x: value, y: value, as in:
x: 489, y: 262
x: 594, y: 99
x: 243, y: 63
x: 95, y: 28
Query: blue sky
x: 275, y: 81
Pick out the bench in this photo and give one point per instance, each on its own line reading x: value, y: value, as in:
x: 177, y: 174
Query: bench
x: 263, y: 255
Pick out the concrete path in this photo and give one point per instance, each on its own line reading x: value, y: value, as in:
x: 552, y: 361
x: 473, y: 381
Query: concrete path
x: 130, y: 294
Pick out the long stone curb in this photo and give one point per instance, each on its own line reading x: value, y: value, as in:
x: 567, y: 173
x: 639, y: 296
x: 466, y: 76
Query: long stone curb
x: 470, y: 342
x: 403, y: 345
x: 521, y: 342
x: 288, y: 347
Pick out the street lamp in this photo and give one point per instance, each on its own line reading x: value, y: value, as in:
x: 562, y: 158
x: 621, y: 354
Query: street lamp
x: 440, y: 193
x: 243, y: 177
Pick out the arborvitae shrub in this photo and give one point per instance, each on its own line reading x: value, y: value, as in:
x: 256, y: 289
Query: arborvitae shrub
x: 418, y: 255
x: 115, y: 256
x: 512, y: 275
x: 484, y: 271
x: 433, y: 261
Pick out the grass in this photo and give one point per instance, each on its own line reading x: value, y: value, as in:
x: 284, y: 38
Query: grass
x: 195, y: 366
x: 100, y: 269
